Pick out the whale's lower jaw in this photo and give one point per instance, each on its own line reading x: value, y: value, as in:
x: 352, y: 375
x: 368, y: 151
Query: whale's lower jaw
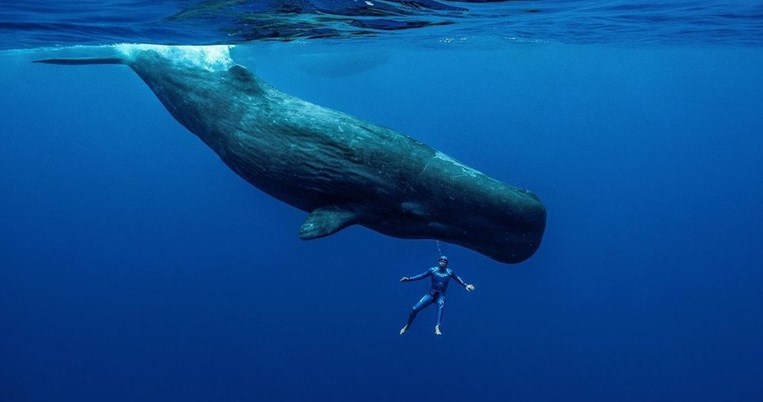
x: 501, y: 245
x: 506, y: 253
x: 511, y: 249
x: 510, y: 254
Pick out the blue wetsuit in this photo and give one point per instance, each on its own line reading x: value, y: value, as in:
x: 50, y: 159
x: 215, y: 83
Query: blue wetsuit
x: 440, y: 279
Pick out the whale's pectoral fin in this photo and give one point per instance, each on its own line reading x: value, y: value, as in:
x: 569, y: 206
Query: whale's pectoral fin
x: 326, y: 221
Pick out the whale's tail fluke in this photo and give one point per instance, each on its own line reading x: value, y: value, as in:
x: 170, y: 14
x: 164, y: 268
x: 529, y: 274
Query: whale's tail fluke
x: 83, y: 61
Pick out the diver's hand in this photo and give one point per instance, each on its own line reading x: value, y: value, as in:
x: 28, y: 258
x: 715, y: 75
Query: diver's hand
x: 469, y: 287
x: 405, y: 279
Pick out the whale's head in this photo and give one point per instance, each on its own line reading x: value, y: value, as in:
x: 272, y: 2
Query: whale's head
x: 502, y: 222
x: 468, y: 208
x: 507, y: 227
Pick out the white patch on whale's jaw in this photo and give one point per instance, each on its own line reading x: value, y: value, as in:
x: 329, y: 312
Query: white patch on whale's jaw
x: 210, y: 58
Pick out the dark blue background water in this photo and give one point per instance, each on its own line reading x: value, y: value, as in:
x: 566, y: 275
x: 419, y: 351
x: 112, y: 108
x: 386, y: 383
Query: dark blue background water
x: 134, y: 266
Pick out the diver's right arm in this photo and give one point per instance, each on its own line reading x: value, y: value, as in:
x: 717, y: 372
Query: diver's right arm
x: 417, y: 277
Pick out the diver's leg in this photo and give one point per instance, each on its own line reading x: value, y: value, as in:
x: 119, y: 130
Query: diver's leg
x: 440, y: 308
x: 425, y: 301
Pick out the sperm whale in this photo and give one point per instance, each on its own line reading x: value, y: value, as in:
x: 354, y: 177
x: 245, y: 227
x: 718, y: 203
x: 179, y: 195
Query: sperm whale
x: 340, y: 169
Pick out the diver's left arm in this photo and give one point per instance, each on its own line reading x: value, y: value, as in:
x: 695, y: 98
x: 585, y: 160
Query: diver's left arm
x: 468, y: 286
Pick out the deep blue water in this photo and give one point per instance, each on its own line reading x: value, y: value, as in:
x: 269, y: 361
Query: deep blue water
x: 135, y: 266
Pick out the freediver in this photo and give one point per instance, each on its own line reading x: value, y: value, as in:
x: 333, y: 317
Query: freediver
x: 441, y: 275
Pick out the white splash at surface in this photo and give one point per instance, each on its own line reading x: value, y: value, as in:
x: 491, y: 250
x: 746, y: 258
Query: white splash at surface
x: 211, y: 58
